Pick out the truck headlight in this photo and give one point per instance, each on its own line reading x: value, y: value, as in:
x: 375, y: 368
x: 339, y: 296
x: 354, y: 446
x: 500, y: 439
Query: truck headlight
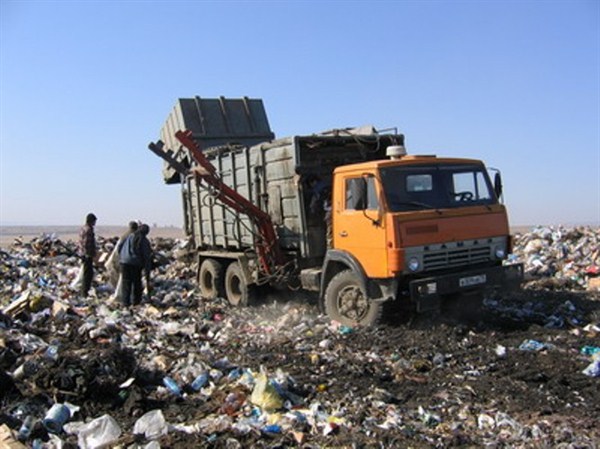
x: 499, y: 252
x: 414, y: 264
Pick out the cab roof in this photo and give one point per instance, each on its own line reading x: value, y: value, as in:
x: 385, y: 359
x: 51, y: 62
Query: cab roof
x: 409, y: 160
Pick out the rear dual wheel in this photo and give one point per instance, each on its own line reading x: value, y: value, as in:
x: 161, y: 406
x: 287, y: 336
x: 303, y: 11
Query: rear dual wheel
x: 210, y: 279
x: 237, y: 291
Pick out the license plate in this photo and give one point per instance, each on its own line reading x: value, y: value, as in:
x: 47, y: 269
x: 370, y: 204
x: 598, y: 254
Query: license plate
x: 472, y: 280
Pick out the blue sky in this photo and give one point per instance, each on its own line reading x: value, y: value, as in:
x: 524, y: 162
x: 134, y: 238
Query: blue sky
x: 84, y: 86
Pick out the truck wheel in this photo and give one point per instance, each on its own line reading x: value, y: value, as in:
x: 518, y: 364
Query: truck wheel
x: 345, y: 302
x: 237, y: 291
x: 210, y: 279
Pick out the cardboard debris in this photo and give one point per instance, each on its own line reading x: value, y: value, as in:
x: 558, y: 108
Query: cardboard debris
x: 7, y: 439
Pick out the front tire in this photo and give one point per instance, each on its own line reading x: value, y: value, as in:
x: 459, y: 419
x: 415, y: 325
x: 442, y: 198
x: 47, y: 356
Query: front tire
x: 238, y: 293
x: 347, y: 303
x: 210, y: 279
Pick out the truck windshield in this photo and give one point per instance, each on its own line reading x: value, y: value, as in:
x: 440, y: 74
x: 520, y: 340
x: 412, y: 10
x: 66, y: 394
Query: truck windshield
x: 436, y: 187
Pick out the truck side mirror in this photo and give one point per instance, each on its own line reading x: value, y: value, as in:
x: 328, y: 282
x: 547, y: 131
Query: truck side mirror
x: 498, y: 185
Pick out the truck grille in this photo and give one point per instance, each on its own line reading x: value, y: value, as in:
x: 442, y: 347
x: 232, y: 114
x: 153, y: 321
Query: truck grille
x: 455, y: 257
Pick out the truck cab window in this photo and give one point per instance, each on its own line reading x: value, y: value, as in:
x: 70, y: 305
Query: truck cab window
x: 419, y: 183
x: 361, y: 193
x: 470, y: 186
x: 436, y: 187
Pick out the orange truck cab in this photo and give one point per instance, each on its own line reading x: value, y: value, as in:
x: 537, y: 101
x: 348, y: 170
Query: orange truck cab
x: 419, y: 228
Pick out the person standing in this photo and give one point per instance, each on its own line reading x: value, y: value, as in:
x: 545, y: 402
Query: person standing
x: 113, y: 266
x: 135, y: 255
x: 87, y: 252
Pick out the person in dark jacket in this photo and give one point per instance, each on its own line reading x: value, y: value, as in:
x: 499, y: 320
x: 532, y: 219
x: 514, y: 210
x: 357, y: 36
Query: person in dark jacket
x: 113, y: 265
x: 135, y: 256
x: 87, y: 252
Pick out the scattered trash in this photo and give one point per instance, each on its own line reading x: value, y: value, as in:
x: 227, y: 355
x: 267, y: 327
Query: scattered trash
x: 56, y: 417
x: 590, y: 350
x: 500, y: 351
x: 265, y: 395
x: 98, y: 433
x: 593, y: 369
x: 172, y: 385
x: 200, y: 381
x: 152, y: 425
x: 532, y: 345
x: 557, y: 257
x: 280, y: 373
x: 26, y: 427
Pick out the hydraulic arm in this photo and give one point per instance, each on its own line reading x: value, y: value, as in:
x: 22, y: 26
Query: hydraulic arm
x: 267, y: 248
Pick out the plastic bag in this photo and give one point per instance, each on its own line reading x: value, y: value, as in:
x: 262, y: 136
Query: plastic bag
x: 593, y: 369
x: 98, y: 433
x: 113, y: 267
x: 152, y: 425
x: 78, y: 281
x: 265, y: 395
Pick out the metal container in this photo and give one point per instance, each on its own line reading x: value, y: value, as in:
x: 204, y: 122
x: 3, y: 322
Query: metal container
x: 214, y: 122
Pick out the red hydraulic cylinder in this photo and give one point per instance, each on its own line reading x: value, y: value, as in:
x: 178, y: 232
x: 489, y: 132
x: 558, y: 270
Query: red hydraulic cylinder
x: 267, y: 246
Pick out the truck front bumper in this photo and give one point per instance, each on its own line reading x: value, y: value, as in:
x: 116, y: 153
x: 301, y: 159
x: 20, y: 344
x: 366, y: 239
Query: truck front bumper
x: 426, y: 293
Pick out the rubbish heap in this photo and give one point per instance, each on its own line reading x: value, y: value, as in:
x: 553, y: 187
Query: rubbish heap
x: 560, y: 257
x: 178, y: 371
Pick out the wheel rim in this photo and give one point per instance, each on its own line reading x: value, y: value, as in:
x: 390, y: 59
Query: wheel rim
x: 352, y: 304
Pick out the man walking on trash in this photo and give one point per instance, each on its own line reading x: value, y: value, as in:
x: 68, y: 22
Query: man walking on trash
x: 135, y: 255
x: 87, y: 251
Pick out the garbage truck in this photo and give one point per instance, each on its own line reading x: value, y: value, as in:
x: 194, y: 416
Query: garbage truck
x: 345, y: 213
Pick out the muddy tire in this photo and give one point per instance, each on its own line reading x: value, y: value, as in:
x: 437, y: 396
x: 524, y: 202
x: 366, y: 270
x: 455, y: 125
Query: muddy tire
x: 237, y: 292
x: 210, y: 279
x: 346, y: 302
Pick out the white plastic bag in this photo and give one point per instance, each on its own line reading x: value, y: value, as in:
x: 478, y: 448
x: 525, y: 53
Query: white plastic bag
x: 78, y: 281
x: 101, y: 432
x: 152, y: 425
x: 113, y: 267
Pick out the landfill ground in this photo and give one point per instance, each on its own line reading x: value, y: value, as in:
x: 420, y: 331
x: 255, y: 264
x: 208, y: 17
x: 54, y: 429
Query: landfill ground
x: 514, y: 372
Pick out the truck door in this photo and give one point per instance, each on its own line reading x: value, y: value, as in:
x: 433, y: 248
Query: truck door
x: 357, y: 224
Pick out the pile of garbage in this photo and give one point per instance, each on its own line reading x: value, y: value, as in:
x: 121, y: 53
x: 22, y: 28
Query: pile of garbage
x: 560, y: 257
x: 178, y: 371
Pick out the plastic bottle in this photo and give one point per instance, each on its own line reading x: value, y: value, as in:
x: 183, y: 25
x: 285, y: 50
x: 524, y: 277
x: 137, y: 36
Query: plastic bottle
x: 170, y: 383
x: 590, y: 350
x: 200, y: 381
x: 25, y: 429
x: 52, y: 352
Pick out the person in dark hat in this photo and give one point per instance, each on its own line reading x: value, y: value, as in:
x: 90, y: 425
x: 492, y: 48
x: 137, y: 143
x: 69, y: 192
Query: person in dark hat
x: 135, y: 255
x: 87, y: 252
